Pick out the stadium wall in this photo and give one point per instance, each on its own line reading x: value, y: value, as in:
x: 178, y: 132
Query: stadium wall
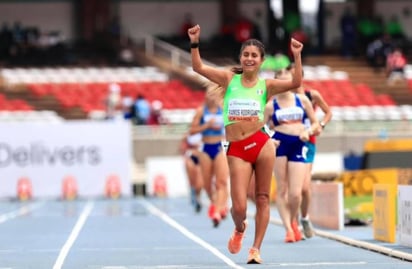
x: 47, y: 16
x: 145, y: 147
x: 139, y: 17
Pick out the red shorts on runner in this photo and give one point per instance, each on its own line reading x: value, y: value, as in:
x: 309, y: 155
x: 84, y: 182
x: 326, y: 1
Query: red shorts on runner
x: 249, y: 148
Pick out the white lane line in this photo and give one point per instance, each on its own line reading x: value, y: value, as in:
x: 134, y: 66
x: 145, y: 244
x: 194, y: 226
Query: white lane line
x: 152, y: 209
x: 318, y: 264
x: 73, y: 235
x: 24, y: 210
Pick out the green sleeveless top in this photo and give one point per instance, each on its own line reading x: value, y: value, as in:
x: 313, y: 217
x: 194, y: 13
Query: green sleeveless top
x: 244, y: 104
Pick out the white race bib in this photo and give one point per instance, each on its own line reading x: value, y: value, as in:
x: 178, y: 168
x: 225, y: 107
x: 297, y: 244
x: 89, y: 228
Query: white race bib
x: 243, y: 109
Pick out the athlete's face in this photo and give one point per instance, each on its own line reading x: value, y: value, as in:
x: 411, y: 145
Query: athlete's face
x: 251, y: 58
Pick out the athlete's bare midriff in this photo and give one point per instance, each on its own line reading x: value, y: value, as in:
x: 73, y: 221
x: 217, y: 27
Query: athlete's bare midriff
x: 290, y: 129
x: 242, y: 129
x: 212, y: 139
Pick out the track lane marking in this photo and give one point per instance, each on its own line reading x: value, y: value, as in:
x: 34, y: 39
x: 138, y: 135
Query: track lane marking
x: 73, y: 235
x: 316, y: 264
x: 24, y: 210
x: 163, y: 216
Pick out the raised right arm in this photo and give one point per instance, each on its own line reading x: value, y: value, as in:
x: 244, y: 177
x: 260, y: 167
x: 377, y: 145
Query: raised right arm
x: 276, y: 86
x: 218, y: 76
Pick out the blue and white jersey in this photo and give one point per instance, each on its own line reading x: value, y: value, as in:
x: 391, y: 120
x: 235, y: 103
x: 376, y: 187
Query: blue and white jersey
x: 288, y: 115
x: 218, y: 122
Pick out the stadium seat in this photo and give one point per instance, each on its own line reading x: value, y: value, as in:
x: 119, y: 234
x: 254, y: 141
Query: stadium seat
x: 378, y: 112
x: 364, y: 113
x: 406, y: 112
x: 393, y: 113
x: 349, y: 113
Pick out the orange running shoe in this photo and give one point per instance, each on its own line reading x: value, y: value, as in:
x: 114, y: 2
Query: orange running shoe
x: 290, y: 237
x: 296, y: 231
x: 254, y: 256
x: 235, y: 242
x: 211, y: 211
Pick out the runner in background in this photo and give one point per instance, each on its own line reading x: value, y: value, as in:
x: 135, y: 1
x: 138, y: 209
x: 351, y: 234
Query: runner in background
x: 287, y: 112
x: 317, y: 101
x: 208, y: 121
x: 190, y: 149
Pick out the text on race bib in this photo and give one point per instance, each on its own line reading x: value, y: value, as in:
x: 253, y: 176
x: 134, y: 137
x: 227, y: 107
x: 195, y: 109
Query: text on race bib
x: 241, y: 109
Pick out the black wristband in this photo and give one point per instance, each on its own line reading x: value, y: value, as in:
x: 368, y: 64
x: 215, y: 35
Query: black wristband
x: 194, y: 45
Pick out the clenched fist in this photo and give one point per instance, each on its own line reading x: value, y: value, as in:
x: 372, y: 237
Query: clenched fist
x: 295, y: 46
x: 194, y: 33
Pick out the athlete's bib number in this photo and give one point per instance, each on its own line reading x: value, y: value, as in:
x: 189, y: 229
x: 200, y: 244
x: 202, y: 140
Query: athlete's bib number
x: 240, y: 109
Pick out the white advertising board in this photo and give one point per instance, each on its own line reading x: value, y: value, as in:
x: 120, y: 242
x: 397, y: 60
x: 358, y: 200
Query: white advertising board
x: 47, y: 153
x: 166, y: 177
x: 331, y: 162
x: 405, y: 215
x: 326, y: 207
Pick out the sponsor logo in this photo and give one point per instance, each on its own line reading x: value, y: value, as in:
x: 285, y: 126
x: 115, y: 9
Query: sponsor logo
x: 247, y: 147
x: 38, y: 154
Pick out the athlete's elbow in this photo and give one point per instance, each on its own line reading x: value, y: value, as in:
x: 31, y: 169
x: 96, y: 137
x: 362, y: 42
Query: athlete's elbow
x: 296, y: 83
x: 192, y: 131
x: 197, y: 68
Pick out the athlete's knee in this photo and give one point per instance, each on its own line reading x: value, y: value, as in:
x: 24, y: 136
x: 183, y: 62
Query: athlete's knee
x: 239, y: 208
x: 305, y: 191
x: 294, y: 197
x: 262, y: 198
x: 282, y: 191
x: 221, y: 183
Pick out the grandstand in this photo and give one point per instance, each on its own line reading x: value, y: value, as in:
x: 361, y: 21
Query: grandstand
x: 351, y: 87
x: 353, y: 90
x: 80, y: 93
x: 360, y: 73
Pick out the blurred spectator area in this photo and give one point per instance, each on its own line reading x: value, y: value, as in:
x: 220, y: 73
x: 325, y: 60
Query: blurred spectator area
x: 366, y: 84
x: 80, y: 93
x: 76, y: 93
x: 357, y: 92
x: 353, y: 89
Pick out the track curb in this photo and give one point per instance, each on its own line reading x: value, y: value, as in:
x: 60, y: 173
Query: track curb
x: 356, y: 243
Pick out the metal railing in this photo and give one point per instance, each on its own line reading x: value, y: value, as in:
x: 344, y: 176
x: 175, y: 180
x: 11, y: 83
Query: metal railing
x: 177, y: 57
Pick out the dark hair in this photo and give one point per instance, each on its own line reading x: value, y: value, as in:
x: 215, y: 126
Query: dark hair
x: 250, y: 42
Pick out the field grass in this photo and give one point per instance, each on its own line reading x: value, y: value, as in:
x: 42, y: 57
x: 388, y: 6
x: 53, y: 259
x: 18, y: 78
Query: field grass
x: 359, y: 207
